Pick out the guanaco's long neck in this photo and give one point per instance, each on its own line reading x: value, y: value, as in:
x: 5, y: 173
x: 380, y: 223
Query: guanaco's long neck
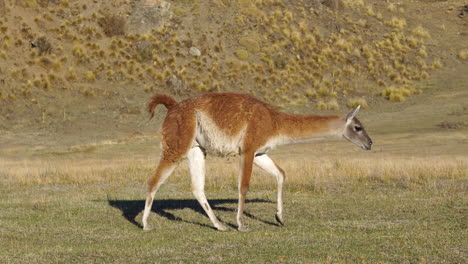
x: 299, y: 127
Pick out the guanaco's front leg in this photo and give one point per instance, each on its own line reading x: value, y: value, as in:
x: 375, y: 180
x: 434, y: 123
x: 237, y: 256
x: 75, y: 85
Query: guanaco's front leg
x: 265, y: 162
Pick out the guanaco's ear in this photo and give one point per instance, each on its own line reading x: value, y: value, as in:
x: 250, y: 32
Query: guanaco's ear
x: 352, y: 114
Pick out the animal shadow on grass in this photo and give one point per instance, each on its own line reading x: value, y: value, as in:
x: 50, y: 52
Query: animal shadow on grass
x: 131, y: 208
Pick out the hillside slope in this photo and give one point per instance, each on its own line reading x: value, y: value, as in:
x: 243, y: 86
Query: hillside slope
x: 89, y: 66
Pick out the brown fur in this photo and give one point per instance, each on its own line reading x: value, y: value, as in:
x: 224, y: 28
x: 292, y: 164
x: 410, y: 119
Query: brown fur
x: 232, y: 112
x: 166, y: 100
x: 303, y: 126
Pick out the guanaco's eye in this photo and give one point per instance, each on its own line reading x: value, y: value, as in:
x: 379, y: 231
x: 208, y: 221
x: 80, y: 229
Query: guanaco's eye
x: 358, y: 128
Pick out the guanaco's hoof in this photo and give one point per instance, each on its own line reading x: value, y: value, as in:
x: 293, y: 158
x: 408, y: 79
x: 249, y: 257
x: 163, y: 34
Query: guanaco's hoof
x: 243, y: 229
x: 147, y: 228
x: 222, y: 228
x: 279, y: 219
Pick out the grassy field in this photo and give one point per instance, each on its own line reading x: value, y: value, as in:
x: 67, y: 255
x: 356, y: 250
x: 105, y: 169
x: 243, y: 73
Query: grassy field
x: 90, y: 223
x: 396, y: 204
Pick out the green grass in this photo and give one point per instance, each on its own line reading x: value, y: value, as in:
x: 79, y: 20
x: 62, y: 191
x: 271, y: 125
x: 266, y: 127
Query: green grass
x: 101, y: 223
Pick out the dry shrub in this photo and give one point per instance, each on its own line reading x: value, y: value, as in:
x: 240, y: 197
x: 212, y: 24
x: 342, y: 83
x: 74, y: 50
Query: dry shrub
x: 452, y: 124
x: 280, y: 61
x: 112, y: 25
x: 43, y: 45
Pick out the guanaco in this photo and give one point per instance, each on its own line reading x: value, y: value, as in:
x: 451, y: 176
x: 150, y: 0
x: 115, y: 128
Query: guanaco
x: 228, y: 123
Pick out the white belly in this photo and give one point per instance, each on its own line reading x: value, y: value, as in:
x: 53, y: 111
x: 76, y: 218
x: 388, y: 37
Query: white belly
x: 214, y: 140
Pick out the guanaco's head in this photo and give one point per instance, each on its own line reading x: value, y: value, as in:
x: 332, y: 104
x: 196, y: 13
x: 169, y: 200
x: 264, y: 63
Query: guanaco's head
x: 354, y: 131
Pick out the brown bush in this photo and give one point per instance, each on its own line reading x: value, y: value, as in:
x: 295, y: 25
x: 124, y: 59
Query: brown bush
x: 112, y: 25
x: 43, y: 45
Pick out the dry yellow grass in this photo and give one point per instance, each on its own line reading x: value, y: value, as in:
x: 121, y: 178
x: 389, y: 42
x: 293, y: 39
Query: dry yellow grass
x: 303, y: 174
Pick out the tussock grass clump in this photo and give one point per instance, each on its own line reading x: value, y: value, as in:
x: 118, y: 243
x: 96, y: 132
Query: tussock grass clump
x: 398, y: 94
x: 242, y: 54
x: 422, y: 51
x: 399, y: 23
x: 395, y: 94
x: 438, y: 64
x: 70, y: 75
x: 249, y: 44
x: 355, y: 4
x: 421, y: 32
x: 391, y: 7
x: 89, y: 76
x: 463, y: 54
x: 332, y: 104
x: 52, y: 77
x: 42, y: 82
x: 354, y: 102
x: 78, y: 51
x: 144, y: 50
x: 280, y: 61
x: 311, y: 93
x: 6, y: 42
x: 27, y: 3
x: 45, y: 62
x: 87, y: 92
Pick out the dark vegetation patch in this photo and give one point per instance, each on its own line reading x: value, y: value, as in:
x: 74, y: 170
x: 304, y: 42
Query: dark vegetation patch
x: 112, y: 25
x: 453, y: 124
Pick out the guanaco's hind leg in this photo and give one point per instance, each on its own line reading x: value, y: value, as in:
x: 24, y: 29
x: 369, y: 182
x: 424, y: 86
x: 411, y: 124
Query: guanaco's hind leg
x: 164, y: 170
x: 246, y: 161
x: 196, y: 164
x: 265, y: 162
x: 178, y: 132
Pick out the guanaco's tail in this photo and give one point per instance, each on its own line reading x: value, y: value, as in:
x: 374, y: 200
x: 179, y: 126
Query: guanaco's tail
x: 166, y: 100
